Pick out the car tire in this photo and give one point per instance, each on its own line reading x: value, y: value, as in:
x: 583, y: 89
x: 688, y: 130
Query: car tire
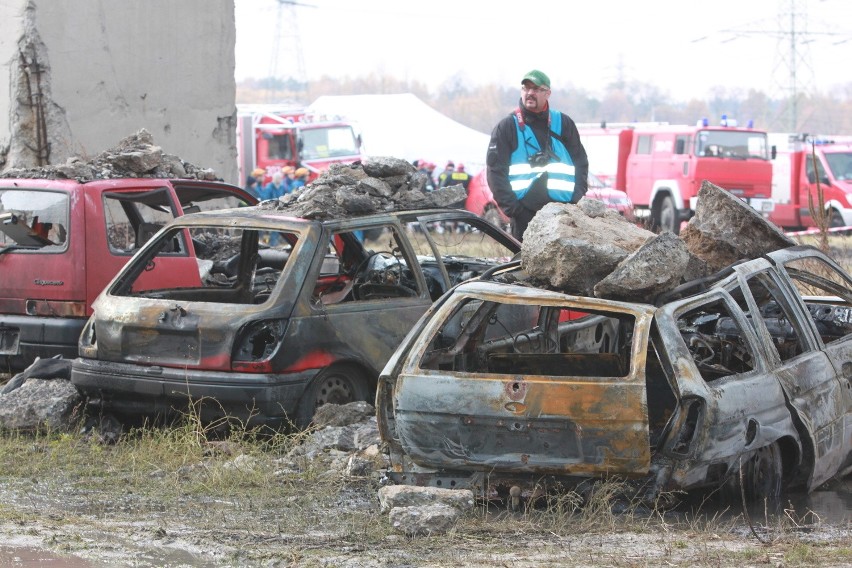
x: 763, y: 474
x: 667, y: 217
x: 339, y: 384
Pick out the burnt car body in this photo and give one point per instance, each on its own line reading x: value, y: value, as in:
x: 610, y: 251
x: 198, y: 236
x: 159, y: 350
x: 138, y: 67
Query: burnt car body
x: 506, y: 384
x: 254, y: 315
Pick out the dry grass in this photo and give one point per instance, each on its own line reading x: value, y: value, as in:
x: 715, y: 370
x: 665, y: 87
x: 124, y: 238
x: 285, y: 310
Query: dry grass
x: 241, y: 500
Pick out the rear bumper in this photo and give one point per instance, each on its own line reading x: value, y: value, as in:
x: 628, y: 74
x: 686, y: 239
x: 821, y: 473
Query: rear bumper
x: 131, y: 389
x: 23, y: 338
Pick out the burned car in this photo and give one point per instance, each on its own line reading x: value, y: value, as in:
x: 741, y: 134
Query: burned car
x: 255, y: 315
x: 506, y: 384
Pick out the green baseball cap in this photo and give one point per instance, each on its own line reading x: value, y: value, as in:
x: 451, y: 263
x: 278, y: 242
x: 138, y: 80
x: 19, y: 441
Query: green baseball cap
x: 537, y: 77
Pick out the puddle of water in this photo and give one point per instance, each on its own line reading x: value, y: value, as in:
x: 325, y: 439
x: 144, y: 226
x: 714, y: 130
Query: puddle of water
x: 14, y: 556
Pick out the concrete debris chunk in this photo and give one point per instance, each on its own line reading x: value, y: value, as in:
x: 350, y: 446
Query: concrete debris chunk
x: 377, y: 184
x: 392, y: 496
x: 656, y: 266
x: 725, y: 229
x: 133, y: 157
x: 38, y: 404
x: 571, y: 252
x: 586, y: 250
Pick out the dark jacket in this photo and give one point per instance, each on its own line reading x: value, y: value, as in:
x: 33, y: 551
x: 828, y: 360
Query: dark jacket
x: 504, y: 140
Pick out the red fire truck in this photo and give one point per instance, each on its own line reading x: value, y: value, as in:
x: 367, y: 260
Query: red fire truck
x: 274, y: 136
x: 803, y: 162
x: 661, y: 167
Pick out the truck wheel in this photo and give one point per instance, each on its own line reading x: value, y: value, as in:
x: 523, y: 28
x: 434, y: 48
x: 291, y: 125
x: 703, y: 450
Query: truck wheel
x: 667, y: 218
x: 763, y: 474
x: 835, y: 219
x: 340, y: 384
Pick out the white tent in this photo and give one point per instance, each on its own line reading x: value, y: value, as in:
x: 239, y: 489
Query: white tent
x: 403, y: 126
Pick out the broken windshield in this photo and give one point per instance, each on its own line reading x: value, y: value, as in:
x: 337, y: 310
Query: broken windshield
x: 32, y: 219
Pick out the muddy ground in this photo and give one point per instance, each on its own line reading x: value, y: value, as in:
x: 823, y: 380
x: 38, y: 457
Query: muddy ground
x: 259, y: 509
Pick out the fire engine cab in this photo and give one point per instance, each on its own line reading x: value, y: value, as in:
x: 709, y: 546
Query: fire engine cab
x: 275, y: 136
x: 661, y: 167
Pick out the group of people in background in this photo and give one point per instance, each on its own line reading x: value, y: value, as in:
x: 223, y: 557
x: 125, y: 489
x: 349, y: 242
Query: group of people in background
x: 534, y: 157
x: 452, y: 175
x: 279, y: 184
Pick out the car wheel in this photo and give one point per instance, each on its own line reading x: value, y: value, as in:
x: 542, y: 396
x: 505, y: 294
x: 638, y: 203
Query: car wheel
x: 763, y: 474
x: 340, y: 384
x: 667, y: 218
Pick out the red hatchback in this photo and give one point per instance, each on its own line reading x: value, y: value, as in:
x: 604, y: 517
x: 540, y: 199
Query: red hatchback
x: 62, y: 241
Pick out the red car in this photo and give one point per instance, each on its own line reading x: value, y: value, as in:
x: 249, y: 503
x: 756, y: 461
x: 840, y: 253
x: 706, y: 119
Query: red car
x: 62, y: 241
x: 481, y: 201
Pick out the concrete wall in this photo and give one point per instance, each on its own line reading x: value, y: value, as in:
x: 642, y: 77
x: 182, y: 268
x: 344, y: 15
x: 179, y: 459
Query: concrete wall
x: 104, y: 69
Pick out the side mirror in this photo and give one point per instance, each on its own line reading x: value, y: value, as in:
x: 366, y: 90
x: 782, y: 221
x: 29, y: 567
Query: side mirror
x: 773, y: 152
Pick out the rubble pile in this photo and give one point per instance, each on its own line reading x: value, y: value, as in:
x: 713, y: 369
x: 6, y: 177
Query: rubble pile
x: 134, y: 157
x: 583, y: 249
x: 377, y: 184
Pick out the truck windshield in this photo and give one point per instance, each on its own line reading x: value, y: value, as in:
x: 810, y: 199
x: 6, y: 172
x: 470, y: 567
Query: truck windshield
x: 33, y: 219
x: 329, y: 142
x: 734, y: 144
x: 840, y: 164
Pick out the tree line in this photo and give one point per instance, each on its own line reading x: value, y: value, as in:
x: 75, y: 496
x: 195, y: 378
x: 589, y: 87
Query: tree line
x: 481, y: 107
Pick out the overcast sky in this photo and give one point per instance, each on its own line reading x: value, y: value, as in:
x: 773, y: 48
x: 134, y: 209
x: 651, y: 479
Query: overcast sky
x: 685, y: 48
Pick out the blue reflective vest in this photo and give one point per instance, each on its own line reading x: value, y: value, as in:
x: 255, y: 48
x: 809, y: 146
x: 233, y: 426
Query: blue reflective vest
x: 560, y: 173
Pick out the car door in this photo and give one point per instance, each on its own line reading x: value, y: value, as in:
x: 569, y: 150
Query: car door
x: 822, y: 293
x: 730, y: 402
x: 516, y: 380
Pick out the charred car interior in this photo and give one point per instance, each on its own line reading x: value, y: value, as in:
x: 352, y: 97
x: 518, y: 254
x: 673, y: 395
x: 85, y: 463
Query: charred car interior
x: 510, y: 384
x: 265, y: 316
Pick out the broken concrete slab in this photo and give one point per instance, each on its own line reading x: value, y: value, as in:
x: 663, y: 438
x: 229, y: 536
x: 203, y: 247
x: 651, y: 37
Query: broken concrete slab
x: 655, y: 267
x: 392, y: 496
x: 572, y: 251
x: 374, y: 185
x: 424, y: 521
x: 588, y: 250
x: 725, y: 229
x: 38, y: 404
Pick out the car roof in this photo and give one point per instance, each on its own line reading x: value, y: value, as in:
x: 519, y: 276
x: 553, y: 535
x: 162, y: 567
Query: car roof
x: 268, y: 213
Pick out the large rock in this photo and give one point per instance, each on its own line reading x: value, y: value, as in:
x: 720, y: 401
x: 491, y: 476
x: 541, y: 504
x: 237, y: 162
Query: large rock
x: 657, y: 266
x: 391, y: 496
x: 424, y: 521
x: 572, y: 251
x: 38, y: 404
x: 725, y: 229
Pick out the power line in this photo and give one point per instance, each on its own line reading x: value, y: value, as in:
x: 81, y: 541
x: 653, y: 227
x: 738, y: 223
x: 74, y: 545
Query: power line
x: 792, y: 50
x: 288, y: 31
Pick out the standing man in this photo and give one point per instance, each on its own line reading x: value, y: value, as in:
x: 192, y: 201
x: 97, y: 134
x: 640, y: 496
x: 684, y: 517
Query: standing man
x: 535, y: 156
x: 448, y: 171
